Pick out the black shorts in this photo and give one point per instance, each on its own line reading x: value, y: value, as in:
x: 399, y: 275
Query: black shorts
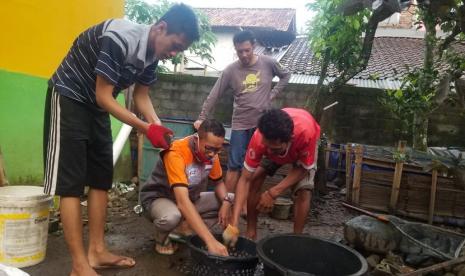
x: 78, y: 148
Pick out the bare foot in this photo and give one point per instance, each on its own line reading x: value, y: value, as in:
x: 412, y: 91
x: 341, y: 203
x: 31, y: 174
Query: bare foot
x: 106, y: 259
x: 83, y: 271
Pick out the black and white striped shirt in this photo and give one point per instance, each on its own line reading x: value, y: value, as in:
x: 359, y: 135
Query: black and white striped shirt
x: 115, y: 49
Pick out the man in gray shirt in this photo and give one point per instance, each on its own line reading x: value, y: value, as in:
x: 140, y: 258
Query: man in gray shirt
x: 250, y: 79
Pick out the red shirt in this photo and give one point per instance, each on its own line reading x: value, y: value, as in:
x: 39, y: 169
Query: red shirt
x: 301, y: 149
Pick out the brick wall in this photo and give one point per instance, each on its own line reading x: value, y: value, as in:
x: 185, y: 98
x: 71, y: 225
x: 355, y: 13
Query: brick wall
x: 357, y: 118
x: 407, y: 17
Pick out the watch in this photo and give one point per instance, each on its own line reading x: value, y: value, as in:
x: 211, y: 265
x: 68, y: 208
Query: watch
x: 228, y: 198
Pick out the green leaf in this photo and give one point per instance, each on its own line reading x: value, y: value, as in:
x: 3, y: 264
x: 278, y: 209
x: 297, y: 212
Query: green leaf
x: 144, y: 13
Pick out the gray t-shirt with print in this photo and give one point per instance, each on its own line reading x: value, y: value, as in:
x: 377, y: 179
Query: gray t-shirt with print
x: 251, y: 88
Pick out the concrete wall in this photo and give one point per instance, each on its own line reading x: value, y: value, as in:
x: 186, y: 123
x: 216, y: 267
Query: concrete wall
x: 357, y: 118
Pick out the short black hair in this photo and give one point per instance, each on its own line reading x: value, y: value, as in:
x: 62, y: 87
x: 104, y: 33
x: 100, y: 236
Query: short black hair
x: 213, y: 126
x: 181, y: 19
x: 276, y: 125
x: 244, y: 36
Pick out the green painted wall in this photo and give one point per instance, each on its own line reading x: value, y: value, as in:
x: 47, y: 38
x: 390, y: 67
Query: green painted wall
x: 22, y: 99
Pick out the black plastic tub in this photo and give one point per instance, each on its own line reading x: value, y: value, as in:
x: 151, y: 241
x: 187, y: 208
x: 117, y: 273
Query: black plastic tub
x: 242, y: 261
x: 292, y: 254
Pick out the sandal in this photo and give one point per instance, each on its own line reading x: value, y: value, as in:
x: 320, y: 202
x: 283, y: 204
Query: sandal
x: 174, y: 237
x: 166, y: 248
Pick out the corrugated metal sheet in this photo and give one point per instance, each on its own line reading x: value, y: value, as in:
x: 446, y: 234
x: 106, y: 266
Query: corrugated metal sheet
x: 312, y: 80
x: 380, y: 84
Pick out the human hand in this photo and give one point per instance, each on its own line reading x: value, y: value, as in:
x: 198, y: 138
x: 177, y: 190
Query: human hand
x: 230, y: 235
x: 197, y: 124
x: 224, y: 214
x: 159, y: 136
x: 265, y: 205
x: 216, y: 248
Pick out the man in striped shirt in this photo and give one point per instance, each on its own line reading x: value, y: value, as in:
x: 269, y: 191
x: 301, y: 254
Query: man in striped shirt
x: 102, y: 61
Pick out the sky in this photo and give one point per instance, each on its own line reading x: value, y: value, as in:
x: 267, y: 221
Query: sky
x: 302, y: 13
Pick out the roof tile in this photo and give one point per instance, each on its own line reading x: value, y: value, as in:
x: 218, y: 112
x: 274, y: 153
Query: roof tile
x: 278, y: 19
x: 389, y: 58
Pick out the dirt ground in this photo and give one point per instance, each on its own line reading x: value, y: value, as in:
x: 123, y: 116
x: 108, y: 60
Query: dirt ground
x: 130, y: 234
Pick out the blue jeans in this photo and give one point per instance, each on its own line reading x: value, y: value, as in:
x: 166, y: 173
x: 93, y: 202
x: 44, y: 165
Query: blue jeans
x: 238, y: 146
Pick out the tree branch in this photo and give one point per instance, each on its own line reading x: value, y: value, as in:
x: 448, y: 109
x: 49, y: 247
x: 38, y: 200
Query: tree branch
x: 449, y: 39
x: 372, y: 25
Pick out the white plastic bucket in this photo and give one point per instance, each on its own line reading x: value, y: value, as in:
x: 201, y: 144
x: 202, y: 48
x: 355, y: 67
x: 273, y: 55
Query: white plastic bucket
x: 24, y: 214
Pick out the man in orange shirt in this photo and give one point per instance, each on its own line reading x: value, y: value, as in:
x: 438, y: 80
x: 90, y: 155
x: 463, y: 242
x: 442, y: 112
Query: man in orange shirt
x: 177, y: 188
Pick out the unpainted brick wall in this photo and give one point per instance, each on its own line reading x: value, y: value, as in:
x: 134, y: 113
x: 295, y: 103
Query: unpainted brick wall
x: 358, y: 118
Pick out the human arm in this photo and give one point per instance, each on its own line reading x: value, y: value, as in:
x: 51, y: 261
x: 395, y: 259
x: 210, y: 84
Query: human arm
x: 216, y: 177
x: 209, y: 103
x: 284, y: 76
x: 241, y: 194
x: 158, y: 135
x: 225, y: 204
x: 144, y: 104
x: 110, y: 61
x: 108, y: 69
x: 267, y: 198
x: 104, y: 96
x: 189, y: 212
x: 231, y: 233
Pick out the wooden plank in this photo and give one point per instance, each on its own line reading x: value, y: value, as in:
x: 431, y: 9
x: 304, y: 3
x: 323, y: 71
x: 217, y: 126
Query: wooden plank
x: 348, y: 171
x: 391, y: 165
x: 397, y: 177
x: 436, y: 267
x: 357, y: 174
x: 432, y: 200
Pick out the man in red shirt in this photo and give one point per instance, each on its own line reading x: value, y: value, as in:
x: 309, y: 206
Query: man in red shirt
x: 284, y: 136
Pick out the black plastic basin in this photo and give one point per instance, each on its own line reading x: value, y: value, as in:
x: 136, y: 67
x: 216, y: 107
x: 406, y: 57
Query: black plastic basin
x: 242, y: 260
x: 291, y: 254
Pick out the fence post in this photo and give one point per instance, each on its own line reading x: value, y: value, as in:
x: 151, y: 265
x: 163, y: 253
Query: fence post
x: 397, y: 175
x: 432, y: 199
x: 348, y: 171
x: 357, y: 174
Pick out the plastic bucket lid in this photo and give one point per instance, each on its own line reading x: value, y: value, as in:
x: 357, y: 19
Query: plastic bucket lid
x: 22, y: 193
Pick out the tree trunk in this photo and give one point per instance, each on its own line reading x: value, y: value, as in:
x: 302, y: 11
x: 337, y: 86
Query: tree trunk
x: 320, y: 92
x: 420, y: 132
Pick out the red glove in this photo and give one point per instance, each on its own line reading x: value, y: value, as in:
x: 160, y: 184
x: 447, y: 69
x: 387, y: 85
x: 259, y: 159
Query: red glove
x: 159, y: 136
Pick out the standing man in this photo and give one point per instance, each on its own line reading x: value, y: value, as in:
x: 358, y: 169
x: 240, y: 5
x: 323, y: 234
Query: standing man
x: 177, y: 188
x: 250, y: 79
x: 284, y: 136
x: 102, y: 61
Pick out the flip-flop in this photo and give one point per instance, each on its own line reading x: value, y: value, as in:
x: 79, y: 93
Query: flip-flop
x: 167, y: 248
x: 177, y: 238
x: 115, y: 264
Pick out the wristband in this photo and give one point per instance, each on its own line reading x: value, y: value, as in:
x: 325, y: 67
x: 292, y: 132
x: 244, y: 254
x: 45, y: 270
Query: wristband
x: 228, y: 199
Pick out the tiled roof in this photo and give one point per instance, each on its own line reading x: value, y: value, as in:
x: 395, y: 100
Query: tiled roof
x: 388, y: 60
x: 277, y: 19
